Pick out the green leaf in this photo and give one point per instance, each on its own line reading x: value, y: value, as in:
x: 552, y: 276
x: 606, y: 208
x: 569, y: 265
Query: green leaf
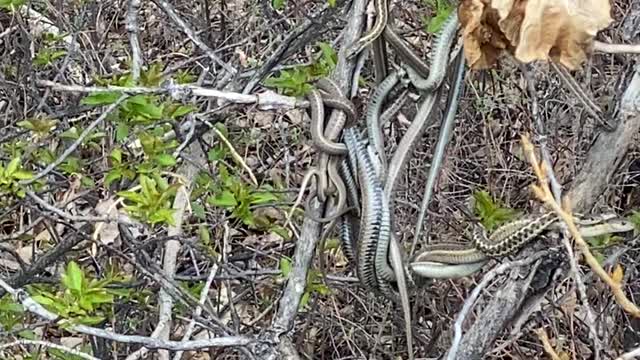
x: 599, y: 257
x: 46, y: 56
x: 294, y: 82
x: 280, y: 230
x: 184, y: 77
x: 329, y: 55
x: 11, y: 5
x: 116, y: 156
x: 72, y: 165
x: 119, y: 292
x: 198, y: 210
x: 322, y: 289
x: 141, y: 105
x: 122, y: 132
x: 91, y: 320
x: 162, y: 215
x: 285, y: 267
x: 165, y: 160
x: 161, y: 182
x: 131, y: 196
x: 331, y: 244
x: 278, y: 4
x: 26, y: 125
x: 225, y: 199
x: 153, y: 75
x: 263, y: 198
x: 443, y: 9
x: 99, y: 296
x: 112, y: 176
x: 222, y: 128
x: 204, y: 235
x: 490, y: 212
x: 27, y: 334
x: 7, y: 307
x: 100, y: 98
x: 217, y: 153
x: 148, y: 187
x: 483, y: 202
x: 22, y: 175
x: 87, y: 182
x: 85, y: 303
x: 73, y: 277
x: 304, y: 300
x: 71, y: 133
x: 12, y: 167
x: 43, y: 300
x: 635, y: 220
x: 176, y: 111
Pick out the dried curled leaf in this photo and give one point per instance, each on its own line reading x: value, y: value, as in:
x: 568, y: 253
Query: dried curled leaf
x: 482, y: 38
x: 562, y: 30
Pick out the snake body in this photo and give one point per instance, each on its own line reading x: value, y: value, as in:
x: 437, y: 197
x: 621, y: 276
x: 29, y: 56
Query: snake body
x: 440, y: 57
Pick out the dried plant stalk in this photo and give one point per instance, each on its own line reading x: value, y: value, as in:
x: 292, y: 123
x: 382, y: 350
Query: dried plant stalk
x: 543, y: 193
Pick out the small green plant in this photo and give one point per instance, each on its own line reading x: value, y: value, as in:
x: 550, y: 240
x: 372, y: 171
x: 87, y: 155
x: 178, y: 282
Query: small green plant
x: 278, y: 4
x: 10, y: 176
x: 185, y: 77
x: 72, y: 165
x: 491, y: 213
x: 50, y: 50
x: 11, y: 5
x: 236, y: 196
x: 156, y: 149
x: 43, y: 156
x: 64, y: 355
x: 297, y: 81
x: 39, y: 127
x: 232, y: 193
x: 11, y: 313
x: 81, y: 300
x: 315, y: 283
x: 119, y: 168
x: 635, y: 220
x: 599, y: 242
x: 46, y: 56
x: 140, y: 109
x: 73, y: 133
x: 442, y: 9
x: 153, y: 202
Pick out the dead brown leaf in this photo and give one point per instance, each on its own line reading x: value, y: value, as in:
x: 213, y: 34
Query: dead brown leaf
x: 107, y: 233
x: 483, y: 41
x: 531, y: 30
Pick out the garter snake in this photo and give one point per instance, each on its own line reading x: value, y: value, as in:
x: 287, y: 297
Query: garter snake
x: 316, y: 101
x: 374, y: 221
x: 440, y: 56
x: 405, y: 52
x: 446, y: 127
x: 374, y: 127
x: 452, y: 260
x: 382, y: 14
x: 422, y: 119
x: 331, y: 164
